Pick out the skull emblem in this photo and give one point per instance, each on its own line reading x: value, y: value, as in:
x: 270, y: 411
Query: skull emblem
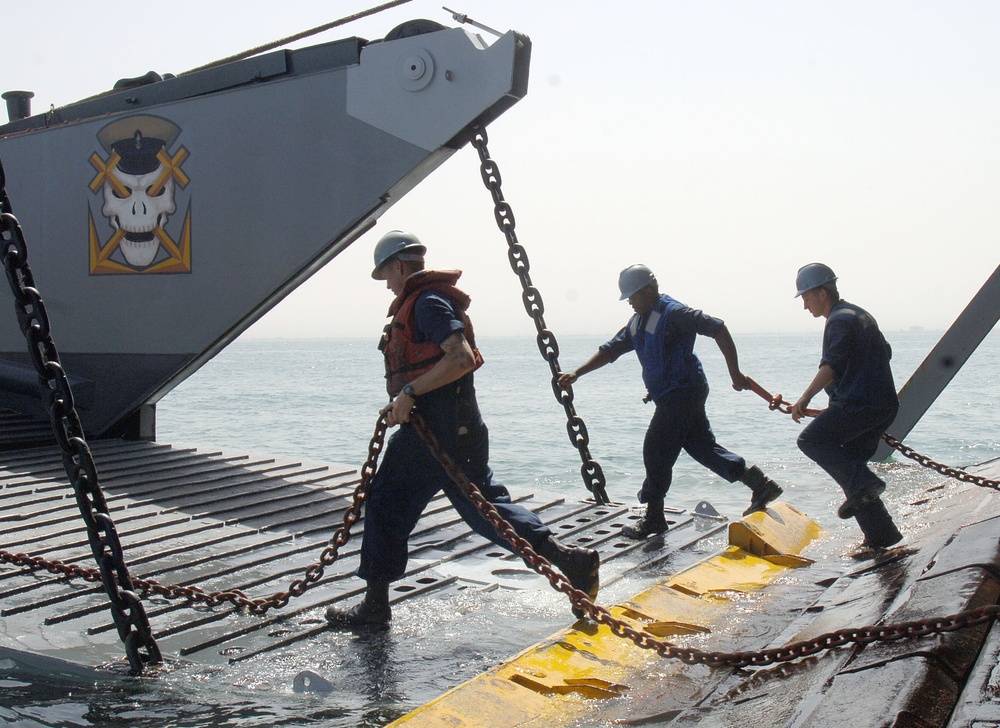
x: 139, y: 180
x: 139, y: 213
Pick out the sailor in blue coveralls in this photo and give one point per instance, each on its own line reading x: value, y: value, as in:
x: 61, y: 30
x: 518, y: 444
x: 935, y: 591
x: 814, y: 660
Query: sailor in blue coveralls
x: 854, y: 371
x: 430, y: 355
x: 662, y: 333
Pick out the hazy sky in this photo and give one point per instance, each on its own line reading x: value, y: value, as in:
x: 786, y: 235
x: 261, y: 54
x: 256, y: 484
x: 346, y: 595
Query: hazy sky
x: 722, y: 143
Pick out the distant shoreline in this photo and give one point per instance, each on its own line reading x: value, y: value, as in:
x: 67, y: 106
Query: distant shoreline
x: 605, y: 335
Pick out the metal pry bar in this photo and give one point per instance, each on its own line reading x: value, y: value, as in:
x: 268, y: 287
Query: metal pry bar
x: 463, y: 18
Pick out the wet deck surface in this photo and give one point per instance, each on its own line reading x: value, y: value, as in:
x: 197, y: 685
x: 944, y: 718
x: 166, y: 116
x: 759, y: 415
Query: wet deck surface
x: 950, y: 563
x: 220, y: 522
x: 223, y: 521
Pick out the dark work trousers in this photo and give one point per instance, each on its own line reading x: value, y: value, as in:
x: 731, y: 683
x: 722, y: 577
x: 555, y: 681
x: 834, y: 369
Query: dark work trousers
x: 841, y: 440
x: 408, y: 478
x: 679, y: 423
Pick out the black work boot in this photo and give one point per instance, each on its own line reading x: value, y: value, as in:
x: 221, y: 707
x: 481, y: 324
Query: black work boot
x: 764, y: 489
x: 652, y: 522
x: 850, y: 507
x: 875, y: 522
x: 581, y: 566
x: 373, y: 611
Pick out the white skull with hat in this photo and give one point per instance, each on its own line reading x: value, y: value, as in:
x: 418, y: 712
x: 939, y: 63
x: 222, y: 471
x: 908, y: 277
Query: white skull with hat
x: 138, y: 193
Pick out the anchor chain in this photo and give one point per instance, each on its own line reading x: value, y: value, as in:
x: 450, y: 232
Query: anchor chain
x: 521, y: 547
x: 777, y: 403
x: 599, y: 614
x: 314, y: 572
x: 691, y: 656
x: 593, y: 474
x: 260, y: 606
x: 126, y: 608
x: 943, y: 469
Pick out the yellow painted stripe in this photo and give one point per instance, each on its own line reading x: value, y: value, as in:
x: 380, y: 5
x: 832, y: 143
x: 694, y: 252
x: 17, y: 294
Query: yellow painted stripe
x: 555, y: 682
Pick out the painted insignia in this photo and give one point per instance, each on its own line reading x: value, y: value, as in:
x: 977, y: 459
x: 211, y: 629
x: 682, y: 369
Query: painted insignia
x: 139, y: 178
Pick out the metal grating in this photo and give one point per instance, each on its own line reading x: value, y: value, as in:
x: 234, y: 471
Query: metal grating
x: 221, y: 521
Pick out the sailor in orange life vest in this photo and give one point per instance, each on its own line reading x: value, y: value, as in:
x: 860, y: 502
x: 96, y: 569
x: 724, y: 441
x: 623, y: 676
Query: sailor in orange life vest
x: 854, y: 370
x: 430, y: 357
x: 662, y: 333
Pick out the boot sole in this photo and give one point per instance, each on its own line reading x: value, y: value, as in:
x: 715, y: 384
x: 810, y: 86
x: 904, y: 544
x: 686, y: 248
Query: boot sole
x: 639, y: 532
x: 763, y: 506
x: 345, y: 620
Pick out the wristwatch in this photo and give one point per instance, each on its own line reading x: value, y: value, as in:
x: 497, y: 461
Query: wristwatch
x: 408, y: 391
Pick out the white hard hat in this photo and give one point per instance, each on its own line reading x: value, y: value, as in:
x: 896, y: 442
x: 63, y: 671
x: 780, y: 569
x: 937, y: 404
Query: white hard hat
x: 396, y: 244
x: 812, y: 276
x: 633, y: 279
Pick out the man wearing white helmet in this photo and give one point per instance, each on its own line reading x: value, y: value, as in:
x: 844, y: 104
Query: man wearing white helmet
x: 854, y: 371
x: 430, y: 356
x: 662, y: 333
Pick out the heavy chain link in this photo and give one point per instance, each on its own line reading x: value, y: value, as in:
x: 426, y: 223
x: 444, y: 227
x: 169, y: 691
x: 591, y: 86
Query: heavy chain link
x: 601, y: 615
x: 593, y: 474
x: 260, y: 606
x: 646, y: 641
x: 314, y: 572
x: 777, y: 403
x: 520, y: 546
x: 943, y: 469
x: 126, y: 608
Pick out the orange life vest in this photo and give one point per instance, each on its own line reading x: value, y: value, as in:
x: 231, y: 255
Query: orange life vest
x: 405, y: 359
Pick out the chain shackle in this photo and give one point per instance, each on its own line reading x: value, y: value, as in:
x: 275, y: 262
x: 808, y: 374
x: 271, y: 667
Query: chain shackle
x: 593, y: 477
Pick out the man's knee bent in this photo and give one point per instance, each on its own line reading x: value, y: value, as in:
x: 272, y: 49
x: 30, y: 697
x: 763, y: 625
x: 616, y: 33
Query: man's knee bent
x: 812, y: 449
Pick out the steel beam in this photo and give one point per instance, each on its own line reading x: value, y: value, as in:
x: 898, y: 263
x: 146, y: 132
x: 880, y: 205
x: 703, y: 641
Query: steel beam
x: 944, y: 361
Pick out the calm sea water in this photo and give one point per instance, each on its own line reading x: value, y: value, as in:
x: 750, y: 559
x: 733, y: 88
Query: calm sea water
x: 318, y: 400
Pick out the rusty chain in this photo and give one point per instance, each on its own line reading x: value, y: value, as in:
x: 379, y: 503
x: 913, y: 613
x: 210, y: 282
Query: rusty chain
x: 259, y: 606
x: 138, y: 637
x: 599, y: 614
x: 943, y: 469
x: 644, y: 640
x: 775, y: 402
x: 521, y: 547
x: 593, y: 474
x: 126, y: 608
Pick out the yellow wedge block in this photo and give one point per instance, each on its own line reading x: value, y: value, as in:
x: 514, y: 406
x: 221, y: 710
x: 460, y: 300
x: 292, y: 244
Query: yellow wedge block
x: 556, y: 682
x: 780, y: 530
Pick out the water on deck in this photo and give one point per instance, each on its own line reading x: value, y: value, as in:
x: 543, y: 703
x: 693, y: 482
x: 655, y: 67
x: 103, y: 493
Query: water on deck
x: 223, y: 521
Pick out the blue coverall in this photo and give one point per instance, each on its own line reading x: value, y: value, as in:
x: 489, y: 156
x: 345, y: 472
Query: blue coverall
x: 673, y: 375
x: 863, y: 403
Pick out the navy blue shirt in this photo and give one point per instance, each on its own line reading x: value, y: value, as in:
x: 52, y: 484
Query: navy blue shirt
x: 858, y: 354
x: 664, y: 342
x: 451, y: 411
x: 436, y: 318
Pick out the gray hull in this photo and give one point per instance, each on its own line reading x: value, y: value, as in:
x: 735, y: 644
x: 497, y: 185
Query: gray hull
x: 241, y: 180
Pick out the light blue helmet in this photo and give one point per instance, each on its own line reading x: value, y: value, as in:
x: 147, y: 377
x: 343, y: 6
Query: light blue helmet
x: 812, y: 276
x: 396, y: 244
x: 633, y: 279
